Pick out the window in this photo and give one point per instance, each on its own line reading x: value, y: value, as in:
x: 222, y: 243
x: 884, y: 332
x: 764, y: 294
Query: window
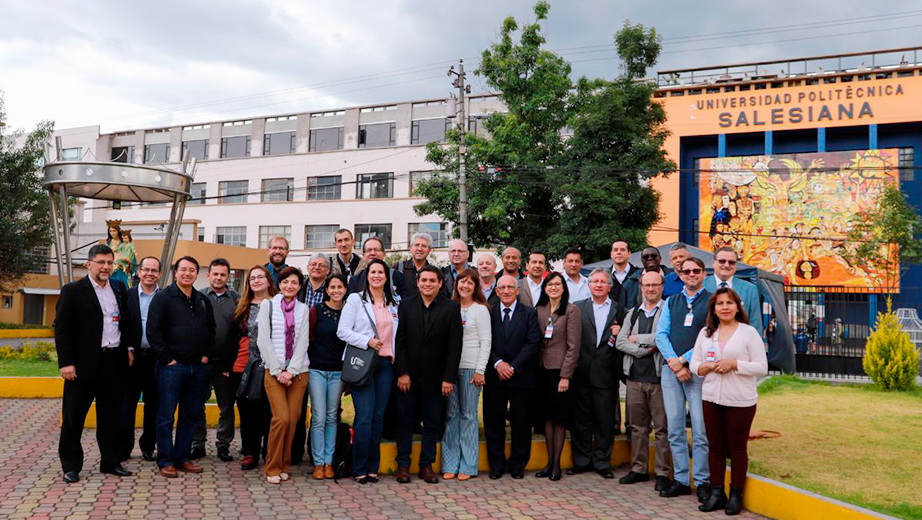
x: 366, y: 231
x: 7, y: 302
x: 320, y: 237
x: 267, y: 232
x: 907, y: 161
x: 368, y: 110
x: 233, y: 192
x: 71, y: 154
x: 325, y: 188
x: 197, y: 149
x: 238, y: 123
x: 192, y: 127
x: 376, y: 136
x: 276, y: 190
x: 156, y: 153
x: 375, y: 186
x: 282, y: 118
x: 279, y: 143
x: 123, y: 154
x: 39, y: 258
x: 325, y: 139
x: 198, y: 194
x: 235, y: 279
x: 238, y: 146
x: 438, y: 231
x: 417, y: 177
x: 231, y: 235
x: 426, y: 131
x: 201, y: 234
x: 329, y: 114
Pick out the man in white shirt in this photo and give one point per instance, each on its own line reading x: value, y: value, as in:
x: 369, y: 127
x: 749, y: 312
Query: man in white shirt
x: 530, y: 286
x: 486, y: 268
x: 577, y: 284
x: 725, y: 266
x: 621, y: 270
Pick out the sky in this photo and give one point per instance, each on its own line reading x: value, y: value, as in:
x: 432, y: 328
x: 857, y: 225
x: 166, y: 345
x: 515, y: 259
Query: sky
x: 128, y: 65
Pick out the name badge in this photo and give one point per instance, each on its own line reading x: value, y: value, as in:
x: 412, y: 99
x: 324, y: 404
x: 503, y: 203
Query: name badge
x: 689, y: 318
x: 115, y: 317
x: 711, y: 354
x: 549, y: 330
x: 463, y: 322
x: 611, y: 341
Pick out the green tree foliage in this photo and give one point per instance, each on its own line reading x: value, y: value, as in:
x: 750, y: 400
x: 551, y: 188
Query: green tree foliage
x: 530, y: 186
x: 25, y: 220
x: 890, y: 358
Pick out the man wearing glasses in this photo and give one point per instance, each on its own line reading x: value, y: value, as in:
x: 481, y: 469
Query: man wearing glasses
x: 683, y: 317
x: 373, y: 249
x: 725, y: 264
x: 278, y: 254
x: 652, y: 261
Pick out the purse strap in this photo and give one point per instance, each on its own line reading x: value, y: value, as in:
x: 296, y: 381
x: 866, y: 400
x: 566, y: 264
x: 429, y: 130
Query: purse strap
x: 374, y: 326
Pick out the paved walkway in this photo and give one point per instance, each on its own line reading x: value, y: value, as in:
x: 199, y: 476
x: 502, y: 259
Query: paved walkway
x: 31, y: 487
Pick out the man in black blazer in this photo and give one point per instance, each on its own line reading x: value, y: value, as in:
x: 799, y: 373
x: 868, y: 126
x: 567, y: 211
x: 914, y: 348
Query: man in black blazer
x: 428, y: 352
x: 621, y: 269
x: 486, y: 268
x: 92, y: 343
x: 597, y: 402
x: 510, y: 380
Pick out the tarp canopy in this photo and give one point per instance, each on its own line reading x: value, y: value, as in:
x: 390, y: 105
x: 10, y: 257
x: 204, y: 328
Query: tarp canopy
x: 771, y: 289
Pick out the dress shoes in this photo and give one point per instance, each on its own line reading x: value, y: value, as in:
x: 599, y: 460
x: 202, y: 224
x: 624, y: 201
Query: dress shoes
x: 606, y: 473
x: 496, y: 475
x: 118, y: 470
x: 403, y: 475
x: 71, y: 476
x: 676, y: 489
x: 661, y: 483
x: 248, y: 463
x: 544, y: 473
x: 735, y: 502
x: 703, y: 491
x: 196, y: 453
x: 190, y: 467
x: 328, y: 473
x: 148, y: 456
x: 555, y: 475
x: 169, y: 471
x: 427, y: 475
x: 372, y: 479
x: 318, y: 472
x: 633, y: 478
x: 225, y: 454
x: 576, y: 470
x: 518, y: 474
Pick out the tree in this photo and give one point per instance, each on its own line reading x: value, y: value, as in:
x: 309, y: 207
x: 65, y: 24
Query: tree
x: 25, y: 219
x: 532, y: 187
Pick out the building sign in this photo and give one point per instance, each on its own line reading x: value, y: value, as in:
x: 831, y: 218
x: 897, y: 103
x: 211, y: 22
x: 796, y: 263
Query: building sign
x: 789, y: 214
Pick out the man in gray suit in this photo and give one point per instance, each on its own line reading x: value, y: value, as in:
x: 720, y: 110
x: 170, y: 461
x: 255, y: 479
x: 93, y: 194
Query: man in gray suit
x: 597, y: 402
x: 530, y: 286
x: 725, y: 263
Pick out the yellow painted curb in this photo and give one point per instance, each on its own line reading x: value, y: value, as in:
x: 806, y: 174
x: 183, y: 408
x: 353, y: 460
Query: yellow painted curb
x: 783, y: 502
x: 31, y: 387
x: 211, y: 416
x: 26, y: 333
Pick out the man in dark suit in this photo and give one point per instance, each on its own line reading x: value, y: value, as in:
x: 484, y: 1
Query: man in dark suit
x: 458, y: 254
x: 92, y: 344
x: 510, y: 380
x: 597, y: 401
x: 630, y: 291
x: 621, y: 269
x: 428, y: 352
x: 486, y: 268
x: 141, y: 380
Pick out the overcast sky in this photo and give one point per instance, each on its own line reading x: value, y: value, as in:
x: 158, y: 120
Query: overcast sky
x: 125, y: 65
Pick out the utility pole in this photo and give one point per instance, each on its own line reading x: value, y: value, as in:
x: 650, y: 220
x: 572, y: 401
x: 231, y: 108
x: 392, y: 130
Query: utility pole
x: 462, y: 148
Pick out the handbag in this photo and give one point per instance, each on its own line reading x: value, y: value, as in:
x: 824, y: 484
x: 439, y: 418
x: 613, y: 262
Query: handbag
x: 359, y: 363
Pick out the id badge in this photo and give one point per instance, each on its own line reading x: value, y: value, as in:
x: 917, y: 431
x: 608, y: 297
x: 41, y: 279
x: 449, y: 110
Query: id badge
x: 611, y: 341
x: 549, y: 330
x: 711, y: 354
x: 463, y: 322
x: 115, y: 317
x: 689, y: 318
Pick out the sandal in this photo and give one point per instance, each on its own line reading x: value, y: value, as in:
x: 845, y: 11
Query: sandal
x: 361, y: 480
x: 462, y: 477
x: 275, y: 479
x: 448, y: 476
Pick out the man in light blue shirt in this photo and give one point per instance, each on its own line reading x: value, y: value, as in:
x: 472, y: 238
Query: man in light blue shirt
x: 577, y: 284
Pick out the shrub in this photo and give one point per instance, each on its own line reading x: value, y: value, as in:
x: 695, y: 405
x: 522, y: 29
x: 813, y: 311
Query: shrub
x: 890, y: 358
x: 40, y: 351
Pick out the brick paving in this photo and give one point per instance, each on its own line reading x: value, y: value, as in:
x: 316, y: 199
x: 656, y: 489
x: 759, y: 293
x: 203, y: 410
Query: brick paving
x: 31, y: 487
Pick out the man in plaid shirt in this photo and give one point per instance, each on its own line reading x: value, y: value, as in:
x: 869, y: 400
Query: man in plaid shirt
x: 318, y: 268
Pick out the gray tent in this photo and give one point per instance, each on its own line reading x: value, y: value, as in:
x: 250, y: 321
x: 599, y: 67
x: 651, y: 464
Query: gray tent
x: 771, y: 288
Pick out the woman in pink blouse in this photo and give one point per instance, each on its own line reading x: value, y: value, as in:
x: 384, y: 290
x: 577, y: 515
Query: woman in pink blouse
x: 730, y: 356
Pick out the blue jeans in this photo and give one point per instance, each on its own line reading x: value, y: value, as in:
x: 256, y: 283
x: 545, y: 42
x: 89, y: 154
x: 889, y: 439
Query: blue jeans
x: 325, y: 388
x: 183, y: 386
x: 461, y: 442
x: 675, y: 395
x: 370, y: 402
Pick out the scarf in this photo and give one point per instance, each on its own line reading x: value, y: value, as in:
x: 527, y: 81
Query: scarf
x: 288, y: 310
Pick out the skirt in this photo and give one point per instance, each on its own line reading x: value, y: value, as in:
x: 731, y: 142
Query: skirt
x: 551, y: 404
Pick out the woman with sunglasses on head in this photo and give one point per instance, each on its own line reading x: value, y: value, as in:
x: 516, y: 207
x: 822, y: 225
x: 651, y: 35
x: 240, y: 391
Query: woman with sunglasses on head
x: 255, y: 414
x: 369, y: 320
x: 730, y: 355
x: 560, y: 322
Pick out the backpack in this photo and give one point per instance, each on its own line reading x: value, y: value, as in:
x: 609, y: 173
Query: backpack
x: 342, y: 454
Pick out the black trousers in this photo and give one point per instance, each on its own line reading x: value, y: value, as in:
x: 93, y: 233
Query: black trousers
x: 594, y: 424
x: 411, y: 405
x: 255, y: 417
x: 108, y: 388
x: 300, y: 441
x: 225, y: 394
x: 496, y: 399
x: 141, y: 381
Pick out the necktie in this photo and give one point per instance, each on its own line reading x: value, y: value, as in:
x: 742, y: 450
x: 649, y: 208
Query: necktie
x: 723, y: 284
x: 507, y: 319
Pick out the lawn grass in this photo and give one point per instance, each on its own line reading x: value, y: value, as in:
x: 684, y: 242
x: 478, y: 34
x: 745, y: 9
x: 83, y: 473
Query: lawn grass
x: 850, y: 442
x: 18, y: 368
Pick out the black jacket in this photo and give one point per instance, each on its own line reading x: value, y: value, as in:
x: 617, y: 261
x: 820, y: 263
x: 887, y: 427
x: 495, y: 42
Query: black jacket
x: 181, y: 328
x: 357, y: 283
x: 616, y: 286
x: 78, y: 327
x: 133, y: 317
x: 428, y: 349
x: 520, y: 349
x: 599, y: 365
x: 630, y: 296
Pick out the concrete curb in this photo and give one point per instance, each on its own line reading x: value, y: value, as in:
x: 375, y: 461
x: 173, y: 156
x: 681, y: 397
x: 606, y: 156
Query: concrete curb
x: 26, y: 333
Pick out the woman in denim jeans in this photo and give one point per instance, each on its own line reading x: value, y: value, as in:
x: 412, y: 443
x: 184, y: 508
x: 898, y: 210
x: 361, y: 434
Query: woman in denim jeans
x: 325, y: 384
x: 369, y: 320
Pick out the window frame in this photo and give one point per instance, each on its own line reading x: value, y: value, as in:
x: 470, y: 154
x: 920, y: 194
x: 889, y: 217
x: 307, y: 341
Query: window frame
x: 370, y: 179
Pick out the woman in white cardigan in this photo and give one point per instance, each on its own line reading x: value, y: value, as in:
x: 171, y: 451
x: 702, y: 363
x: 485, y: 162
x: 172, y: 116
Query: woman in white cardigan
x: 284, y: 327
x: 730, y: 356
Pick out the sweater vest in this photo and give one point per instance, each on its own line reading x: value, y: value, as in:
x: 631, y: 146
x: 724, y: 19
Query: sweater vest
x: 278, y: 327
x: 683, y: 338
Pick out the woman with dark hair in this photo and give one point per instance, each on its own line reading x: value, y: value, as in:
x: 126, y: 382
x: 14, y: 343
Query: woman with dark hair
x: 369, y: 320
x: 560, y: 322
x: 284, y: 322
x: 254, y: 414
x: 730, y: 355
x: 325, y: 384
x: 461, y: 441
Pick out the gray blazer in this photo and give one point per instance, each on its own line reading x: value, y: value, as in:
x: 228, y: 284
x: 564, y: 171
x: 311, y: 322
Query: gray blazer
x: 644, y: 341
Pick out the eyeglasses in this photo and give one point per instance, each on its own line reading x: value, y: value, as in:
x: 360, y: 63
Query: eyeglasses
x: 149, y: 270
x: 554, y: 284
x: 258, y: 278
x: 506, y: 287
x: 373, y: 250
x: 651, y: 285
x: 278, y: 248
x: 696, y: 270
x: 725, y: 261
x: 649, y: 257
x: 103, y: 263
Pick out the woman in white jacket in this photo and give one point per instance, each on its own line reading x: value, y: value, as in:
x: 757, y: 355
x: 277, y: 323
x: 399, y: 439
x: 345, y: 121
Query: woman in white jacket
x: 284, y: 327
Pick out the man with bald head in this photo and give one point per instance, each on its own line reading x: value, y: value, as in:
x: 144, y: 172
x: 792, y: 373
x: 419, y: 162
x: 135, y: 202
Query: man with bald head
x: 510, y: 380
x: 458, y: 254
x: 512, y: 263
x: 486, y: 268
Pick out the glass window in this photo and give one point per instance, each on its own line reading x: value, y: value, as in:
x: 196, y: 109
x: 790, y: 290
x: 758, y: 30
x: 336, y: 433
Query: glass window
x: 417, y: 177
x: 320, y: 237
x: 39, y: 259
x: 275, y: 190
x: 375, y: 186
x: 71, y: 154
x: 438, y: 231
x: 279, y: 143
x: 233, y: 192
x: 366, y: 231
x: 198, y: 194
x: 267, y: 232
x: 379, y: 135
x: 325, y: 188
x: 201, y: 234
x: 325, y: 139
x: 7, y: 302
x: 123, y: 154
x: 197, y: 149
x: 156, y: 153
x: 231, y: 235
x: 426, y: 131
x: 238, y: 146
x: 907, y: 163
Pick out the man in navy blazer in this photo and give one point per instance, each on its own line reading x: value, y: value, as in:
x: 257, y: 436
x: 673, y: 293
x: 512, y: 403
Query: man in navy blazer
x: 725, y: 263
x: 510, y: 380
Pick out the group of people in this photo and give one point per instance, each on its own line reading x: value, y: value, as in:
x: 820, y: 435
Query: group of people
x: 417, y: 345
